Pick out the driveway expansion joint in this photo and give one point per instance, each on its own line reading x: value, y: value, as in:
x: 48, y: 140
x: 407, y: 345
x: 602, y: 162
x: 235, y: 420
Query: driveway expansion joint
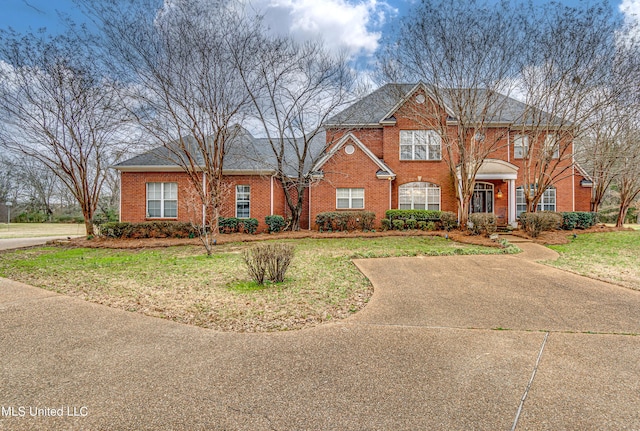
x: 533, y: 376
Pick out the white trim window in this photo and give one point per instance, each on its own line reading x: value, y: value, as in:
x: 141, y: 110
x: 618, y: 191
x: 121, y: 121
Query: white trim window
x: 162, y: 200
x: 420, y: 145
x: 349, y: 199
x: 520, y: 146
x: 552, y: 146
x: 547, y: 201
x: 243, y: 201
x: 419, y: 196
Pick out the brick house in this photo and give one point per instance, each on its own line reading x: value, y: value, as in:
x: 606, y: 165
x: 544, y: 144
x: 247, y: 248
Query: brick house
x: 374, y: 157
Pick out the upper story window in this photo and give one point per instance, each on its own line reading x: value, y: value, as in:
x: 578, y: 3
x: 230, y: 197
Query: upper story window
x: 349, y: 198
x: 162, y: 200
x: 520, y: 146
x: 552, y: 146
x: 420, y: 145
x: 419, y: 196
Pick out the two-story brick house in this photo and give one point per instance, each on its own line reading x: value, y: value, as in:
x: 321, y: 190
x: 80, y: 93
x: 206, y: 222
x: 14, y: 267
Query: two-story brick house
x: 377, y: 157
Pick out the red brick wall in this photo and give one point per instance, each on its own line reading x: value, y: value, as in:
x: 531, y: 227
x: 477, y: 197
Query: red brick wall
x: 134, y: 195
x: 355, y: 170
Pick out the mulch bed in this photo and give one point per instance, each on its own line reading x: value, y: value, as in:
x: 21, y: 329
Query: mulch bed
x: 141, y: 243
x: 547, y: 238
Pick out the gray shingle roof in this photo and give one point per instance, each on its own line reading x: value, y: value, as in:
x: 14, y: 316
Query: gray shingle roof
x: 244, y: 153
x: 373, y: 108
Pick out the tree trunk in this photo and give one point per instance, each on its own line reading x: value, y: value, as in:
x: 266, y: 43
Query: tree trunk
x: 622, y: 214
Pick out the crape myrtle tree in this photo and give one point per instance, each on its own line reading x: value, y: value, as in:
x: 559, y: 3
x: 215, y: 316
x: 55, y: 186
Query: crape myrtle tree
x: 463, y: 53
x: 184, y: 89
x: 59, y: 107
x: 294, y: 87
x: 569, y: 77
x: 628, y: 179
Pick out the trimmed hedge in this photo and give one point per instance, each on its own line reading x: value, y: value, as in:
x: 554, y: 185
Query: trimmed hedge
x: 233, y: 225
x: 482, y: 223
x: 152, y: 229
x: 172, y: 229
x: 412, y: 218
x: 275, y: 223
x: 345, y: 221
x: 535, y: 223
x: 578, y: 220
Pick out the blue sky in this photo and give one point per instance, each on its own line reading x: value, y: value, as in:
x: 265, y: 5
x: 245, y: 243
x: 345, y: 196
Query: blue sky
x: 356, y: 25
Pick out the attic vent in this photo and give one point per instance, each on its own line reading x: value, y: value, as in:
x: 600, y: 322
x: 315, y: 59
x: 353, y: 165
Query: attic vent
x: 420, y: 99
x: 349, y: 149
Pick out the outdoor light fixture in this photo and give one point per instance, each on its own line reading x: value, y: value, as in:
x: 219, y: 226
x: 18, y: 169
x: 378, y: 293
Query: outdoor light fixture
x: 499, y: 195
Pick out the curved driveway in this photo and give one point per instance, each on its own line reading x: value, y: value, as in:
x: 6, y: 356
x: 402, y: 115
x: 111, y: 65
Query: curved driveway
x: 446, y: 343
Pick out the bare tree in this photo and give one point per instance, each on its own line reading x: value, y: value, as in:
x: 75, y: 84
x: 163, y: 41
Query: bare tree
x: 59, y: 107
x: 464, y: 54
x: 294, y: 87
x: 185, y: 92
x: 569, y: 76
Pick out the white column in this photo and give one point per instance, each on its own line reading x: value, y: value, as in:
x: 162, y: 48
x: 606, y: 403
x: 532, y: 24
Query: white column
x: 512, y: 202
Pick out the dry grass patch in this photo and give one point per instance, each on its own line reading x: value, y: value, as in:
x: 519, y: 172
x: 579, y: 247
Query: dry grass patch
x: 182, y: 284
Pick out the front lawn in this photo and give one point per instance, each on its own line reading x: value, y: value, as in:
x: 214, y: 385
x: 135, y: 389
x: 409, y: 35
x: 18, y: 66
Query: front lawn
x: 182, y: 284
x: 610, y: 256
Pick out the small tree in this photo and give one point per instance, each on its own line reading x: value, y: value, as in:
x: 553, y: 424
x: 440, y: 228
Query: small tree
x: 294, y: 87
x: 59, y: 107
x: 184, y: 89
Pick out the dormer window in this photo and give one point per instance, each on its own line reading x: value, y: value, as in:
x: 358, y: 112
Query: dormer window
x: 420, y: 145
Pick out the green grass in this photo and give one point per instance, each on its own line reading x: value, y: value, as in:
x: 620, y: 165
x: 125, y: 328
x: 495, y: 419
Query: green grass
x: 182, y: 284
x: 610, y: 256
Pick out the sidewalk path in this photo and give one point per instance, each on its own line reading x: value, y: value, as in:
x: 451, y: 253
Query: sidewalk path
x: 14, y: 243
x: 447, y: 343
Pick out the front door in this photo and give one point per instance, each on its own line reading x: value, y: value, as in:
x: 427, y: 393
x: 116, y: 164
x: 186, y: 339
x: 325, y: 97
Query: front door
x: 482, y: 199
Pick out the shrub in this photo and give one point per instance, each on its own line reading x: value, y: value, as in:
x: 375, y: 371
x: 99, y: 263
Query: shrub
x: 154, y: 229
x: 386, y: 224
x: 417, y: 215
x: 430, y: 226
x: 448, y: 220
x: 422, y: 225
x: 482, y: 223
x: 535, y: 223
x: 249, y: 225
x: 275, y: 223
x: 345, y: 220
x: 578, y: 220
x: 411, y: 223
x: 398, y: 224
x: 228, y: 224
x: 268, y: 260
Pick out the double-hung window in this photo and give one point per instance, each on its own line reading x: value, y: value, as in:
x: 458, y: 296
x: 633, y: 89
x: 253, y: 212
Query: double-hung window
x: 419, y: 196
x: 350, y: 198
x: 420, y: 145
x: 162, y: 200
x: 243, y: 201
x: 520, y: 146
x: 552, y: 146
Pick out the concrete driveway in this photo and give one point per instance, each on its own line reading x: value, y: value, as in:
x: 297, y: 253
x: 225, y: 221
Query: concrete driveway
x: 452, y: 343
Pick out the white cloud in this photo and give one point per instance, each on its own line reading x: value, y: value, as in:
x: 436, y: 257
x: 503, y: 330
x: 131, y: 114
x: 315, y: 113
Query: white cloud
x: 631, y: 11
x: 353, y: 26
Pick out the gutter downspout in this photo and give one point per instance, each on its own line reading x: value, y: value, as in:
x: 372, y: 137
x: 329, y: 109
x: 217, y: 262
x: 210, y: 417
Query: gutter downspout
x: 271, y: 196
x: 120, y: 197
x: 204, y: 207
x: 310, y: 185
x: 573, y: 180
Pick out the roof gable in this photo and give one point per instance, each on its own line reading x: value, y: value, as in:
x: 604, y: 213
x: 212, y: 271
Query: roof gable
x: 383, y: 170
